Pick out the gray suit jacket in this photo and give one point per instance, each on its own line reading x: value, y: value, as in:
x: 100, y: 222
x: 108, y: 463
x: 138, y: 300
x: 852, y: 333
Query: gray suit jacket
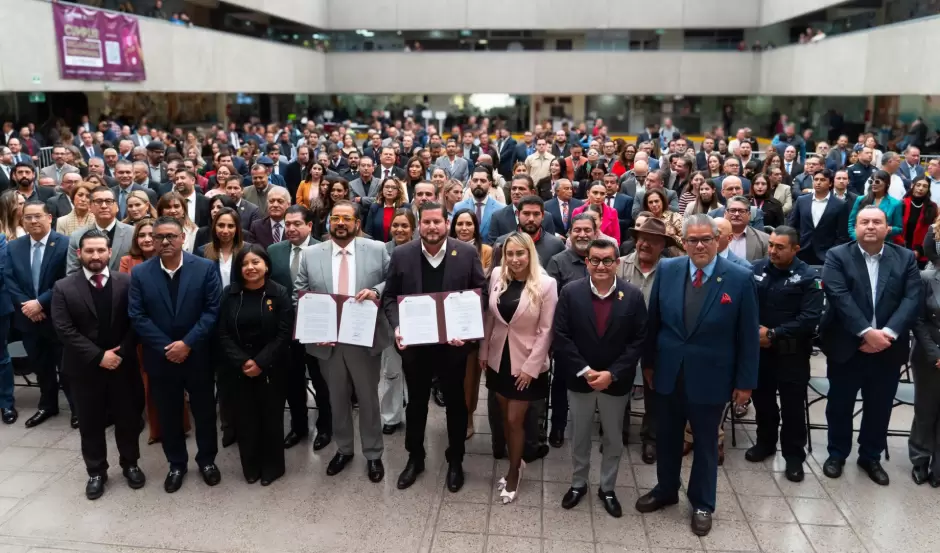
x: 756, y: 242
x: 316, y: 275
x: 123, y: 236
x: 57, y: 177
x: 358, y: 190
x: 460, y: 170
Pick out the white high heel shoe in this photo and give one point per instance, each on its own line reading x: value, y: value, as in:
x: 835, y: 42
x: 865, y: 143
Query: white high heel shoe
x: 506, y: 496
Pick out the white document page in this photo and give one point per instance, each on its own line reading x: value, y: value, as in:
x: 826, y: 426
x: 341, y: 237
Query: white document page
x: 357, y: 323
x: 463, y: 316
x: 417, y: 320
x: 316, y: 319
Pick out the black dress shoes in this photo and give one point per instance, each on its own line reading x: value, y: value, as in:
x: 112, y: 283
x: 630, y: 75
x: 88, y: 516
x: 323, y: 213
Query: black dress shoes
x: 293, y: 438
x: 40, y: 417
x: 832, y: 468
x: 934, y: 480
x: 174, y: 481
x: 228, y: 436
x: 920, y: 474
x: 322, y: 440
x: 389, y: 429
x: 556, y: 438
x: 338, y: 463
x: 454, y: 477
x: 375, y: 470
x: 758, y: 453
x: 410, y: 474
x: 268, y: 481
x: 701, y: 522
x: 135, y: 477
x: 649, y: 453
x: 875, y: 471
x: 611, y: 505
x: 73, y: 421
x: 211, y: 474
x: 572, y: 497
x: 794, y: 471
x: 251, y: 479
x: 533, y: 456
x: 95, y: 486
x: 438, y: 396
x: 649, y: 503
x: 9, y: 415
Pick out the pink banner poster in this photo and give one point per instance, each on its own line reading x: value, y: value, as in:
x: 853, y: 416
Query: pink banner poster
x: 97, y: 45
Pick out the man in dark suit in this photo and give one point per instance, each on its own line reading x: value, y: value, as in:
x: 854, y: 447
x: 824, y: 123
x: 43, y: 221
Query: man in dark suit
x: 701, y: 158
x: 24, y: 175
x: 8, y: 410
x: 89, y: 312
x: 791, y: 165
x: 386, y: 167
x: 174, y: 305
x: 821, y: 219
x: 96, y: 166
x: 523, y: 149
x: 6, y: 168
x: 600, y: 328
x: 506, y: 219
x: 296, y: 171
x: 468, y: 150
x: 124, y: 173
x: 247, y: 211
x: 911, y: 169
x: 196, y: 203
x: 33, y: 265
x: 561, y: 206
x: 270, y: 230
x: 278, y: 163
x: 506, y: 148
x: 227, y: 155
x: 88, y: 148
x: 434, y: 263
x: 60, y: 205
x: 286, y: 257
x: 874, y: 294
x: 703, y: 342
x: 621, y: 203
x: 268, y: 164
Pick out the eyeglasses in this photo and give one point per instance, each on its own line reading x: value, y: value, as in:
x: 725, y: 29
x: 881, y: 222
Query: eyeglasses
x: 737, y: 211
x: 696, y: 241
x: 163, y: 237
x: 100, y: 202
x: 606, y: 262
x: 341, y: 219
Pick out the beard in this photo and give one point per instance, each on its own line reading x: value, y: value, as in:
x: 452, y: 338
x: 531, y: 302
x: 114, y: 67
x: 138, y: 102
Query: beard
x: 478, y: 193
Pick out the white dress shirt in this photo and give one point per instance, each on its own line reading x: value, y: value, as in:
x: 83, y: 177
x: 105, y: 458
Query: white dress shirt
x: 818, y: 208
x: 170, y: 272
x: 106, y: 272
x: 436, y: 259
x: 872, y: 263
x: 594, y: 290
x: 738, y: 245
x: 350, y: 261
x: 225, y: 268
x: 191, y: 206
x: 107, y: 228
x: 934, y: 190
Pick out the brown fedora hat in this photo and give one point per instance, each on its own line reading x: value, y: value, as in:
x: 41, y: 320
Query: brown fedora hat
x: 655, y: 227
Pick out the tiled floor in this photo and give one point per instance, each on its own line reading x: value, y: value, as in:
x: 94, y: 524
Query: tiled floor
x: 43, y: 508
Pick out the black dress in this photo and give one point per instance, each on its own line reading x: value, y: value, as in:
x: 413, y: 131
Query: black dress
x: 503, y: 382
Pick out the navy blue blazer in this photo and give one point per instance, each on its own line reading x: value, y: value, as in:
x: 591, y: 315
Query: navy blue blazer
x: 191, y: 320
x: 553, y: 208
x: 18, y: 279
x: 503, y: 222
x: 374, y: 221
x: 849, y: 296
x: 722, y: 353
x: 832, y: 230
x: 6, y: 304
x: 623, y: 205
x: 577, y: 344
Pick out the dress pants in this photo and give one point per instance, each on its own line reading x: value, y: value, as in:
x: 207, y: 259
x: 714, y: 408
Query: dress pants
x: 351, y: 369
x: 673, y: 410
x: 791, y: 409
x: 610, y: 408
x: 167, y: 386
x: 6, y: 366
x: 45, y: 352
x: 878, y: 382
x: 648, y: 424
x: 559, y: 395
x: 530, y: 424
x: 449, y: 364
x: 301, y: 363
x: 924, y: 443
x: 101, y: 395
x: 260, y: 423
x: 392, y: 390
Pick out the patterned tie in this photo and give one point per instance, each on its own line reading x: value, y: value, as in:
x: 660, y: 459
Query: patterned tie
x: 277, y: 233
x: 122, y: 203
x: 343, y: 274
x: 36, y: 266
x: 480, y: 212
x: 295, y: 263
x: 564, y: 213
x: 98, y: 278
x: 697, y: 281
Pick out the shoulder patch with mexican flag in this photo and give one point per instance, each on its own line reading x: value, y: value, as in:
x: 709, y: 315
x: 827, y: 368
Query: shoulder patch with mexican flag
x: 818, y: 284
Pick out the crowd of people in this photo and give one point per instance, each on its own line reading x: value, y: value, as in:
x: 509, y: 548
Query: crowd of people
x: 146, y: 266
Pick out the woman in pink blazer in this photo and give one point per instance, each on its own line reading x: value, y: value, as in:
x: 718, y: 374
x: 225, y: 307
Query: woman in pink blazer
x: 514, y: 352
x: 610, y: 223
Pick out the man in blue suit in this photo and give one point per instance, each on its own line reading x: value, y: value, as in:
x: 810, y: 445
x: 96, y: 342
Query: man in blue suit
x: 481, y: 203
x: 561, y: 206
x: 7, y: 408
x: 174, y: 304
x: 32, y: 266
x: 701, y: 351
x: 821, y: 219
x: 910, y: 168
x: 506, y: 150
x: 874, y: 293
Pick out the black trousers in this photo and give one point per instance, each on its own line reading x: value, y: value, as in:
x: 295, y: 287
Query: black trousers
x: 648, y: 424
x: 302, y: 364
x: 559, y: 395
x: 167, y: 386
x: 530, y: 425
x: 260, y: 421
x: 791, y: 411
x: 101, y: 395
x: 45, y: 352
x: 876, y: 378
x: 449, y: 364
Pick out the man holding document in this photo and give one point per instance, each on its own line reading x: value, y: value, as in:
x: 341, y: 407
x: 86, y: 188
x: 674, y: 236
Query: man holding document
x: 432, y: 265
x: 355, y: 267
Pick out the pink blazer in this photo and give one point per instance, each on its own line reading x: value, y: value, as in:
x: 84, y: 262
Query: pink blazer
x: 610, y: 223
x: 529, y: 332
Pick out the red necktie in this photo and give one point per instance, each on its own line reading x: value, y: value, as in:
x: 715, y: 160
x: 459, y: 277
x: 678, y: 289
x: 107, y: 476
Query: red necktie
x: 98, y: 278
x: 697, y: 281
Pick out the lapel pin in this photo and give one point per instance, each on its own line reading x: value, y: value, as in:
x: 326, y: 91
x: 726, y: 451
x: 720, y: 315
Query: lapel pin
x: 453, y: 252
x: 51, y: 244
x: 619, y: 295
x: 719, y: 279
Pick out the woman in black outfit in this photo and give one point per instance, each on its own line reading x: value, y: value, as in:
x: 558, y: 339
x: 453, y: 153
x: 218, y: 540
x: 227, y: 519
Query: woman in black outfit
x: 763, y: 199
x: 255, y: 324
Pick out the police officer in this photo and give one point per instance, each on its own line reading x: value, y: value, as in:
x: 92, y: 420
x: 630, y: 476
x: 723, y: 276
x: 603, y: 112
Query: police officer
x: 790, y: 299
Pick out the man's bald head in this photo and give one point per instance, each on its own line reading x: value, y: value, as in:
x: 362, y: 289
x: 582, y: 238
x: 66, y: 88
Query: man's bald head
x: 485, y: 158
x: 641, y: 168
x: 731, y: 186
x: 640, y: 156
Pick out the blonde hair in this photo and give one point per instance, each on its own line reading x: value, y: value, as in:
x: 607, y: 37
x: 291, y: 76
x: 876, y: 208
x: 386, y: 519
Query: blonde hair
x: 533, y: 286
